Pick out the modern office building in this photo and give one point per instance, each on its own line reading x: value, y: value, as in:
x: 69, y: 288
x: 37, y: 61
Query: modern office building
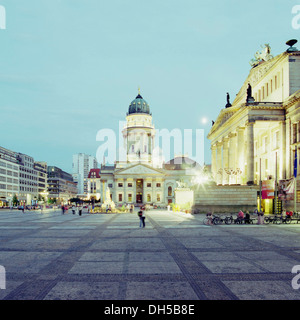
x: 28, y: 193
x: 9, y: 176
x: 41, y: 168
x: 61, y: 186
x: 82, y: 164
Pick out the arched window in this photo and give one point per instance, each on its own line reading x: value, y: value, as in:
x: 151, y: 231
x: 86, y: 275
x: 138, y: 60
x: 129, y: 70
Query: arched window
x: 169, y: 191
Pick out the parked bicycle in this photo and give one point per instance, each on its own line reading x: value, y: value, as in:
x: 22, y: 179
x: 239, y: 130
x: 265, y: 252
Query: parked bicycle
x: 210, y: 219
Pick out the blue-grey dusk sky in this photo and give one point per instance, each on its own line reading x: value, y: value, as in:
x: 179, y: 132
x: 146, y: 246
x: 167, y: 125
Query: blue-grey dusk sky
x: 69, y: 68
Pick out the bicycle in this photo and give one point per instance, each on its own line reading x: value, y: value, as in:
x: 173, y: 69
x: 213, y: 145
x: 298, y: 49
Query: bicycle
x: 210, y: 220
x: 219, y: 220
x: 229, y: 220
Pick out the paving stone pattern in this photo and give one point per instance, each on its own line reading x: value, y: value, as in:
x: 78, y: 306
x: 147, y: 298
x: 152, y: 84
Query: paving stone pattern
x: 51, y: 256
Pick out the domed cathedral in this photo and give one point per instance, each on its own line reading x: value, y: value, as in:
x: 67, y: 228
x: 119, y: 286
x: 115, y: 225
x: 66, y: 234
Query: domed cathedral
x: 137, y: 179
x: 139, y: 132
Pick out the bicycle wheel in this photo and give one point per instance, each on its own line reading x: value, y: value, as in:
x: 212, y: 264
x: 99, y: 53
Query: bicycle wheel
x: 207, y: 221
x: 277, y: 220
x: 267, y: 220
x: 228, y: 220
x: 216, y: 220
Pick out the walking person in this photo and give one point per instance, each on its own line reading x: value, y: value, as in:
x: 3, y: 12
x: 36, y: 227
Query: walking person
x: 63, y: 209
x: 143, y: 219
x: 73, y: 209
x: 140, y: 214
x: 80, y: 210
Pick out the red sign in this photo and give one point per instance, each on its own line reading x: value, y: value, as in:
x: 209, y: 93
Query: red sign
x: 267, y: 189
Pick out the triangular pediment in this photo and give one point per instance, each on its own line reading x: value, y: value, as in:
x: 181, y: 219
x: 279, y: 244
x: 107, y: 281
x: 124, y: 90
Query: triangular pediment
x: 224, y: 116
x: 139, y: 169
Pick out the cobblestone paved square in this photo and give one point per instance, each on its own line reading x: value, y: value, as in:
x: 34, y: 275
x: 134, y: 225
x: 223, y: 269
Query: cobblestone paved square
x: 50, y: 256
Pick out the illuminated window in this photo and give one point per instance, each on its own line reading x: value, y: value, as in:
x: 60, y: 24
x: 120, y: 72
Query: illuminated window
x: 158, y: 197
x: 129, y: 197
x: 169, y: 191
x: 148, y: 197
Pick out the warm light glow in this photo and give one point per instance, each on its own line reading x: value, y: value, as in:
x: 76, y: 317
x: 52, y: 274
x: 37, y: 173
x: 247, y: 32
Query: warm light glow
x: 204, y: 120
x: 201, y: 177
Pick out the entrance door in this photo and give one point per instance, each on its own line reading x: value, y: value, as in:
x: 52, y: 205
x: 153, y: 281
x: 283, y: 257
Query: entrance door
x: 139, y: 198
x: 139, y: 191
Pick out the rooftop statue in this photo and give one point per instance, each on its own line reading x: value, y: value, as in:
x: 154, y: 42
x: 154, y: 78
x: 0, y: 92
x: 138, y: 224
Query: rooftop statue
x: 262, y: 56
x: 228, y: 101
x: 249, y: 99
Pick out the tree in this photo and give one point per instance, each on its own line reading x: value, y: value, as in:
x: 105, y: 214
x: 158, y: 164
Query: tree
x: 15, y: 200
x: 52, y: 201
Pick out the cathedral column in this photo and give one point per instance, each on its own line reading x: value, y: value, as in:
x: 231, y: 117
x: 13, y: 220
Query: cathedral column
x: 225, y: 161
x: 240, y: 158
x: 214, y: 161
x: 250, y: 152
x: 134, y: 191
x: 282, y: 173
x: 289, y: 168
x: 219, y: 170
x: 231, y: 158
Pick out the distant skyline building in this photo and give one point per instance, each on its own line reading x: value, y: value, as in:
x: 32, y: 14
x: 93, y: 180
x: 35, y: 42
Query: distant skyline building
x: 82, y: 164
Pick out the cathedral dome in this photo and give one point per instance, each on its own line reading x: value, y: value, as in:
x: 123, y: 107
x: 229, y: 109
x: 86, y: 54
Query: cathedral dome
x: 139, y: 105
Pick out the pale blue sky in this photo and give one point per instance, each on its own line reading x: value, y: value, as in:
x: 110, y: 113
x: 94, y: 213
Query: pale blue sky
x: 69, y: 68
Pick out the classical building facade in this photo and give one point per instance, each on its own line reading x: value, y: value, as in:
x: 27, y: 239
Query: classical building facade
x: 140, y: 178
x: 255, y: 138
